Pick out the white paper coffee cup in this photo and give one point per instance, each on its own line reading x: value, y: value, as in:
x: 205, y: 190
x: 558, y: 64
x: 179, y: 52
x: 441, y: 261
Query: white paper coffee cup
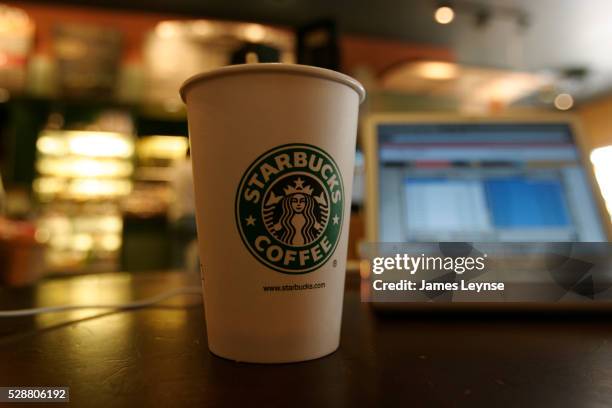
x: 273, y: 148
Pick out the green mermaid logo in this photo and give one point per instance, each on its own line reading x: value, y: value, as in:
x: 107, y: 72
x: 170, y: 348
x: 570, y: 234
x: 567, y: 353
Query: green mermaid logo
x: 289, y: 208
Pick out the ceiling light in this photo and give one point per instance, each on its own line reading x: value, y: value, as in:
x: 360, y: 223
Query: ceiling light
x: 444, y: 15
x: 254, y: 33
x: 564, y: 101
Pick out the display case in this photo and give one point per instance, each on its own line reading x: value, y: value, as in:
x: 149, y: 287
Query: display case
x: 82, y: 176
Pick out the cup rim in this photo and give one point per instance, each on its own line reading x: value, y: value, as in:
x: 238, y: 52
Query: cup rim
x: 298, y: 69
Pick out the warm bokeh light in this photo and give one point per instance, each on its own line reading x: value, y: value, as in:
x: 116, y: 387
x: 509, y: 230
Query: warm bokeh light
x: 100, y: 144
x: 47, y: 187
x: 111, y: 242
x: 82, y: 167
x: 95, y: 188
x: 436, y: 70
x: 252, y: 58
x: 444, y: 15
x: 98, y: 223
x: 162, y: 147
x: 602, y: 163
x: 564, y: 101
x: 42, y: 235
x: 85, y: 143
x: 82, y: 242
x: 51, y: 145
x: 81, y: 189
x: 15, y: 21
x: 167, y: 29
x: 254, y: 32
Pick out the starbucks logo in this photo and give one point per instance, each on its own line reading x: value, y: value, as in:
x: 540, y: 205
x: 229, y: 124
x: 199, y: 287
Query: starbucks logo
x: 289, y: 208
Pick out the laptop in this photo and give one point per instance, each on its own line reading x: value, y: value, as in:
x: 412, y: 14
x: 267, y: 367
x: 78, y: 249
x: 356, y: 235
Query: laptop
x: 502, y: 181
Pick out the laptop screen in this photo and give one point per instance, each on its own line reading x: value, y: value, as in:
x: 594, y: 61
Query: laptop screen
x: 483, y: 182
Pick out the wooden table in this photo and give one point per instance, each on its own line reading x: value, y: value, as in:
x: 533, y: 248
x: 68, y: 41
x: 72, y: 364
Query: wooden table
x: 158, y: 356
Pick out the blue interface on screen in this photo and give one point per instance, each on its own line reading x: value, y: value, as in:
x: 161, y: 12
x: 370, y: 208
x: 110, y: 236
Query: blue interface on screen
x: 484, y: 182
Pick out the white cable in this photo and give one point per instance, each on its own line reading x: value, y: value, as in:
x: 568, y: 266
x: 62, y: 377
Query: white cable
x: 187, y: 290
